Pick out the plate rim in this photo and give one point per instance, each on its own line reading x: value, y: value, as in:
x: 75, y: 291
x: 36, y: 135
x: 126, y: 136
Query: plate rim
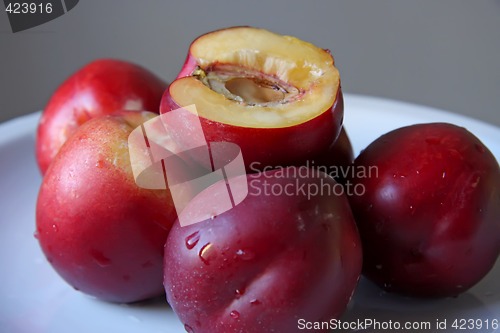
x: 17, y: 126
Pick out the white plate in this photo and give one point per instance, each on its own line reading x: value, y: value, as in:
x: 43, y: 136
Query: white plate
x: 35, y: 299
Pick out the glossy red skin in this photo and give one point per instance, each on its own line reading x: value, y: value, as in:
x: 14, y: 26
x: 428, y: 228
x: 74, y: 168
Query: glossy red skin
x: 269, y: 147
x: 101, y: 87
x: 102, y: 233
x: 190, y: 64
x: 430, y: 222
x: 273, y: 260
x: 337, y: 159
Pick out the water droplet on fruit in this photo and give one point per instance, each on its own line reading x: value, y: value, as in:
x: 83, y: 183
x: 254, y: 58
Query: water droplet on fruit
x: 328, y: 216
x: 475, y: 182
x: 188, y: 328
x: 192, y: 240
x: 239, y: 292
x: 480, y: 148
x: 100, y: 258
x: 245, y: 254
x: 204, y: 253
x: 235, y: 314
x: 443, y: 174
x: 55, y: 228
x: 35, y: 234
x: 255, y: 302
x: 213, y: 216
x: 100, y: 164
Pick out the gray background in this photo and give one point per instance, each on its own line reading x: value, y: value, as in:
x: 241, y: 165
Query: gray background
x: 441, y: 53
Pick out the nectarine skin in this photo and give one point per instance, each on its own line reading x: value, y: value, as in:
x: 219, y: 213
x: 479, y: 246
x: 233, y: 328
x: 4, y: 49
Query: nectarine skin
x: 266, y: 263
x: 430, y: 221
x: 269, y: 147
x: 340, y: 156
x: 101, y: 87
x: 102, y: 233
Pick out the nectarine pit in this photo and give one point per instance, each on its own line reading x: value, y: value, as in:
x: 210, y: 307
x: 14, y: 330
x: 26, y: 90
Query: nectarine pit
x: 247, y: 85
